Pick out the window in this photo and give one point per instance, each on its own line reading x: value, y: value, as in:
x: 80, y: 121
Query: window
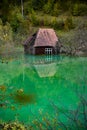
x: 48, y: 51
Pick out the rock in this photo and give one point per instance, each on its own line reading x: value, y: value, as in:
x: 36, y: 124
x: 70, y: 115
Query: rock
x: 63, y: 50
x: 79, y: 53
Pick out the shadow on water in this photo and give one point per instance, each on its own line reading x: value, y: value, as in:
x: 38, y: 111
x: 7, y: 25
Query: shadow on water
x: 51, y: 89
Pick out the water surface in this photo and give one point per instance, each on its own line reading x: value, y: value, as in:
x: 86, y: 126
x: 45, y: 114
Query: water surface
x: 53, y: 86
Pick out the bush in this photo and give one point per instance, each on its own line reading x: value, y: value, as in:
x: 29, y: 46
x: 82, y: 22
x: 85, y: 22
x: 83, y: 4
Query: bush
x: 27, y: 7
x: 33, y: 18
x: 47, y: 22
x: 68, y: 24
x: 12, y: 126
x: 79, y: 10
x: 47, y: 8
x: 6, y: 38
x: 56, y: 10
x: 15, y: 18
x: 24, y: 26
x: 5, y: 32
x: 57, y: 24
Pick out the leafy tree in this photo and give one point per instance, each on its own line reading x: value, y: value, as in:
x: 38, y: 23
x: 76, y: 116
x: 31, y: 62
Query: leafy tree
x: 47, y: 8
x: 57, y: 9
x: 68, y: 24
x: 79, y: 9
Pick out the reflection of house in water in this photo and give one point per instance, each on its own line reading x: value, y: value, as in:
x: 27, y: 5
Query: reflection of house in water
x: 46, y: 70
x: 43, y: 66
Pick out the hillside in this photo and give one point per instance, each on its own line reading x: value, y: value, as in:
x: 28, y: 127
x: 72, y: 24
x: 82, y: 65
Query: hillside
x: 19, y: 19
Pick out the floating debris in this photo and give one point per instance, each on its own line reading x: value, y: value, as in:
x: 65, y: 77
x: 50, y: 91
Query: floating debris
x: 11, y: 94
x: 3, y: 88
x: 23, y: 98
x: 2, y: 105
x: 13, y: 108
x: 13, y: 126
x: 20, y: 91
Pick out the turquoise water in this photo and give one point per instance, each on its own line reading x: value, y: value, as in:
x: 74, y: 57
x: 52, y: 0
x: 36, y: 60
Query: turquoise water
x: 56, y: 87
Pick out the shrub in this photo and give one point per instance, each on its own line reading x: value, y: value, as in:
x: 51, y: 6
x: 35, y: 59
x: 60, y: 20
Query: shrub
x: 33, y: 18
x: 6, y: 38
x: 47, y: 22
x: 24, y: 26
x: 57, y: 24
x: 79, y: 10
x: 56, y: 10
x: 47, y: 8
x: 15, y: 18
x: 27, y: 7
x: 5, y: 32
x: 13, y: 126
x: 68, y: 24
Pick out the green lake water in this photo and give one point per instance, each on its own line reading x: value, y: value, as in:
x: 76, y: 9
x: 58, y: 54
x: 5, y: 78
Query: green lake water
x: 56, y: 87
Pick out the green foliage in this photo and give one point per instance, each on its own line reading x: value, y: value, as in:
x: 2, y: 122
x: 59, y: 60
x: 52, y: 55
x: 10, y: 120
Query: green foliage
x: 47, y: 8
x: 5, y: 32
x: 41, y: 13
x: 46, y: 21
x: 28, y: 7
x: 24, y: 26
x: 68, y: 24
x: 15, y: 18
x: 57, y: 24
x: 79, y: 10
x: 1, y: 22
x: 4, y: 10
x: 12, y: 126
x: 6, y: 38
x: 33, y: 18
x: 10, y: 10
x: 38, y: 4
x: 56, y: 10
x: 52, y: 7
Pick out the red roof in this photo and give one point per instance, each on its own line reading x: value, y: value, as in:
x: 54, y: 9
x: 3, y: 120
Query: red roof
x: 44, y: 37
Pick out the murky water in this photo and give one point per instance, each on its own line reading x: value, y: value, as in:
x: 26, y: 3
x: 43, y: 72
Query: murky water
x: 33, y: 87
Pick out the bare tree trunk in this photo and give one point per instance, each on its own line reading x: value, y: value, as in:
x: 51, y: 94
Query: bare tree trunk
x: 22, y: 9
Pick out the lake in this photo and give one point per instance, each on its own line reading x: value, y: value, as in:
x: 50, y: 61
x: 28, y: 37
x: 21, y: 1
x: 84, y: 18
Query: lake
x: 44, y: 88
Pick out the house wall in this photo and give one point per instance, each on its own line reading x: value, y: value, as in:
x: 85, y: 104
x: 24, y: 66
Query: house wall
x: 26, y: 49
x: 29, y: 50
x: 41, y: 50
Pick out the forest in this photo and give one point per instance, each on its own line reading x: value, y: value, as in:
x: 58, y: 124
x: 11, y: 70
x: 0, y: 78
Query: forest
x: 51, y: 7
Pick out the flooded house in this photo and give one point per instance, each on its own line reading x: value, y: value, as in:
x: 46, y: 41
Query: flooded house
x: 44, y: 41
